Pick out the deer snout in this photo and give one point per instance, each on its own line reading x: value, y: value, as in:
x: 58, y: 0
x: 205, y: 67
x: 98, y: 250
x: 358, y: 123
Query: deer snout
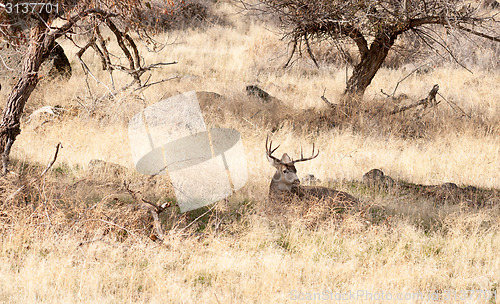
x: 291, y: 178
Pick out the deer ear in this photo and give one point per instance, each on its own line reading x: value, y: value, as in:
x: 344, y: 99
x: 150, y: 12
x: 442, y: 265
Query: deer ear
x: 285, y: 158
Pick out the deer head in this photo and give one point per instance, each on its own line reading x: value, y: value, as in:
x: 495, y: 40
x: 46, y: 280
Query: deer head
x: 286, y: 174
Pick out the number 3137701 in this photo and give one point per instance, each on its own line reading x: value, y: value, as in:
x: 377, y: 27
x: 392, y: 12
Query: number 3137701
x: 31, y: 8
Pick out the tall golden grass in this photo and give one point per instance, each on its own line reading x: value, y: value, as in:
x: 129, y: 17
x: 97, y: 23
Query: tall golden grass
x: 74, y: 236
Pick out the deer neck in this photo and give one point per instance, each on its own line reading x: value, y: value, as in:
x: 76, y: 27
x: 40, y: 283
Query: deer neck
x: 278, y: 185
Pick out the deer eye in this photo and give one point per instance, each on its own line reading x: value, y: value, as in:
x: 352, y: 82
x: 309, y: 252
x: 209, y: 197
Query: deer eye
x: 286, y: 171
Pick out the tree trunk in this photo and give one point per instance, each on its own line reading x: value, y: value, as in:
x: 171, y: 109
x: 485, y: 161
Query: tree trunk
x: 38, y: 50
x: 370, y: 63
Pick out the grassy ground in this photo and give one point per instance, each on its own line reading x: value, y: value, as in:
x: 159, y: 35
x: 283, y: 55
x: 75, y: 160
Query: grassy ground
x: 73, y: 236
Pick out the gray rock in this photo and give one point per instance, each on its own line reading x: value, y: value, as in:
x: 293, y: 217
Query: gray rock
x: 310, y: 180
x: 375, y: 177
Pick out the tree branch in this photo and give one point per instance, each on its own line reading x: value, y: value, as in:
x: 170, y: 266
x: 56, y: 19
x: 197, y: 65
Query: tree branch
x: 483, y: 35
x: 62, y: 30
x: 360, y: 41
x: 119, y: 38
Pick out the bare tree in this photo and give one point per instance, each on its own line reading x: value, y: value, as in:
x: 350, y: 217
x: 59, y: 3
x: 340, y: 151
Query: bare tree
x: 374, y: 26
x: 40, y: 23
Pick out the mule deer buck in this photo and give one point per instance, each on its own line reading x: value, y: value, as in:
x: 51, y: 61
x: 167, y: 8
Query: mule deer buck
x: 285, y: 184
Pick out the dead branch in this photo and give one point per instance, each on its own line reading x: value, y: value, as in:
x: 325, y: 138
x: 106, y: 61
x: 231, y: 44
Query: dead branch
x: 328, y: 103
x: 106, y: 60
x: 132, y: 44
x: 66, y: 27
x: 59, y: 145
x: 482, y: 35
x: 430, y: 100
x: 145, y: 85
x: 14, y: 194
x: 404, y: 78
x: 384, y: 93
x: 103, y: 53
x: 309, y: 51
x: 453, y: 105
x: 128, y: 48
x: 86, y: 69
x: 155, y: 211
x: 120, y: 39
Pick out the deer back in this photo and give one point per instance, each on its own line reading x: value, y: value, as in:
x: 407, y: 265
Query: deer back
x: 325, y: 194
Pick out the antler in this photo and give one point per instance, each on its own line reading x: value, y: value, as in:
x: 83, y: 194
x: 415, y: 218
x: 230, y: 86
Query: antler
x: 308, y: 158
x: 270, y: 150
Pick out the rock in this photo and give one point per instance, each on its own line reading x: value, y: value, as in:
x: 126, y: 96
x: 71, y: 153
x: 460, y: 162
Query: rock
x: 375, y: 177
x: 253, y: 90
x: 310, y: 180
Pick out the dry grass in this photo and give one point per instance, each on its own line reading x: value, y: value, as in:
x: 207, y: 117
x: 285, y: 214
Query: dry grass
x: 77, y: 236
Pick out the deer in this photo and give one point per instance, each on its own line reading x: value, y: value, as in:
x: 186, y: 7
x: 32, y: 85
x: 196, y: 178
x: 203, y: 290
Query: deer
x: 285, y: 184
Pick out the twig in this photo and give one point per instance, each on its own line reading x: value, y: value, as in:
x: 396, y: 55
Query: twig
x: 331, y: 105
x: 91, y: 241
x: 155, y: 211
x: 156, y: 82
x: 404, y: 78
x: 260, y: 110
x: 483, y: 35
x: 86, y: 69
x: 386, y: 95
x: 5, y: 64
x: 13, y: 195
x: 199, y: 217
x: 256, y: 127
x: 216, y: 298
x: 59, y: 145
x: 158, y: 208
x: 452, y: 103
x: 159, y: 231
x: 429, y: 100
